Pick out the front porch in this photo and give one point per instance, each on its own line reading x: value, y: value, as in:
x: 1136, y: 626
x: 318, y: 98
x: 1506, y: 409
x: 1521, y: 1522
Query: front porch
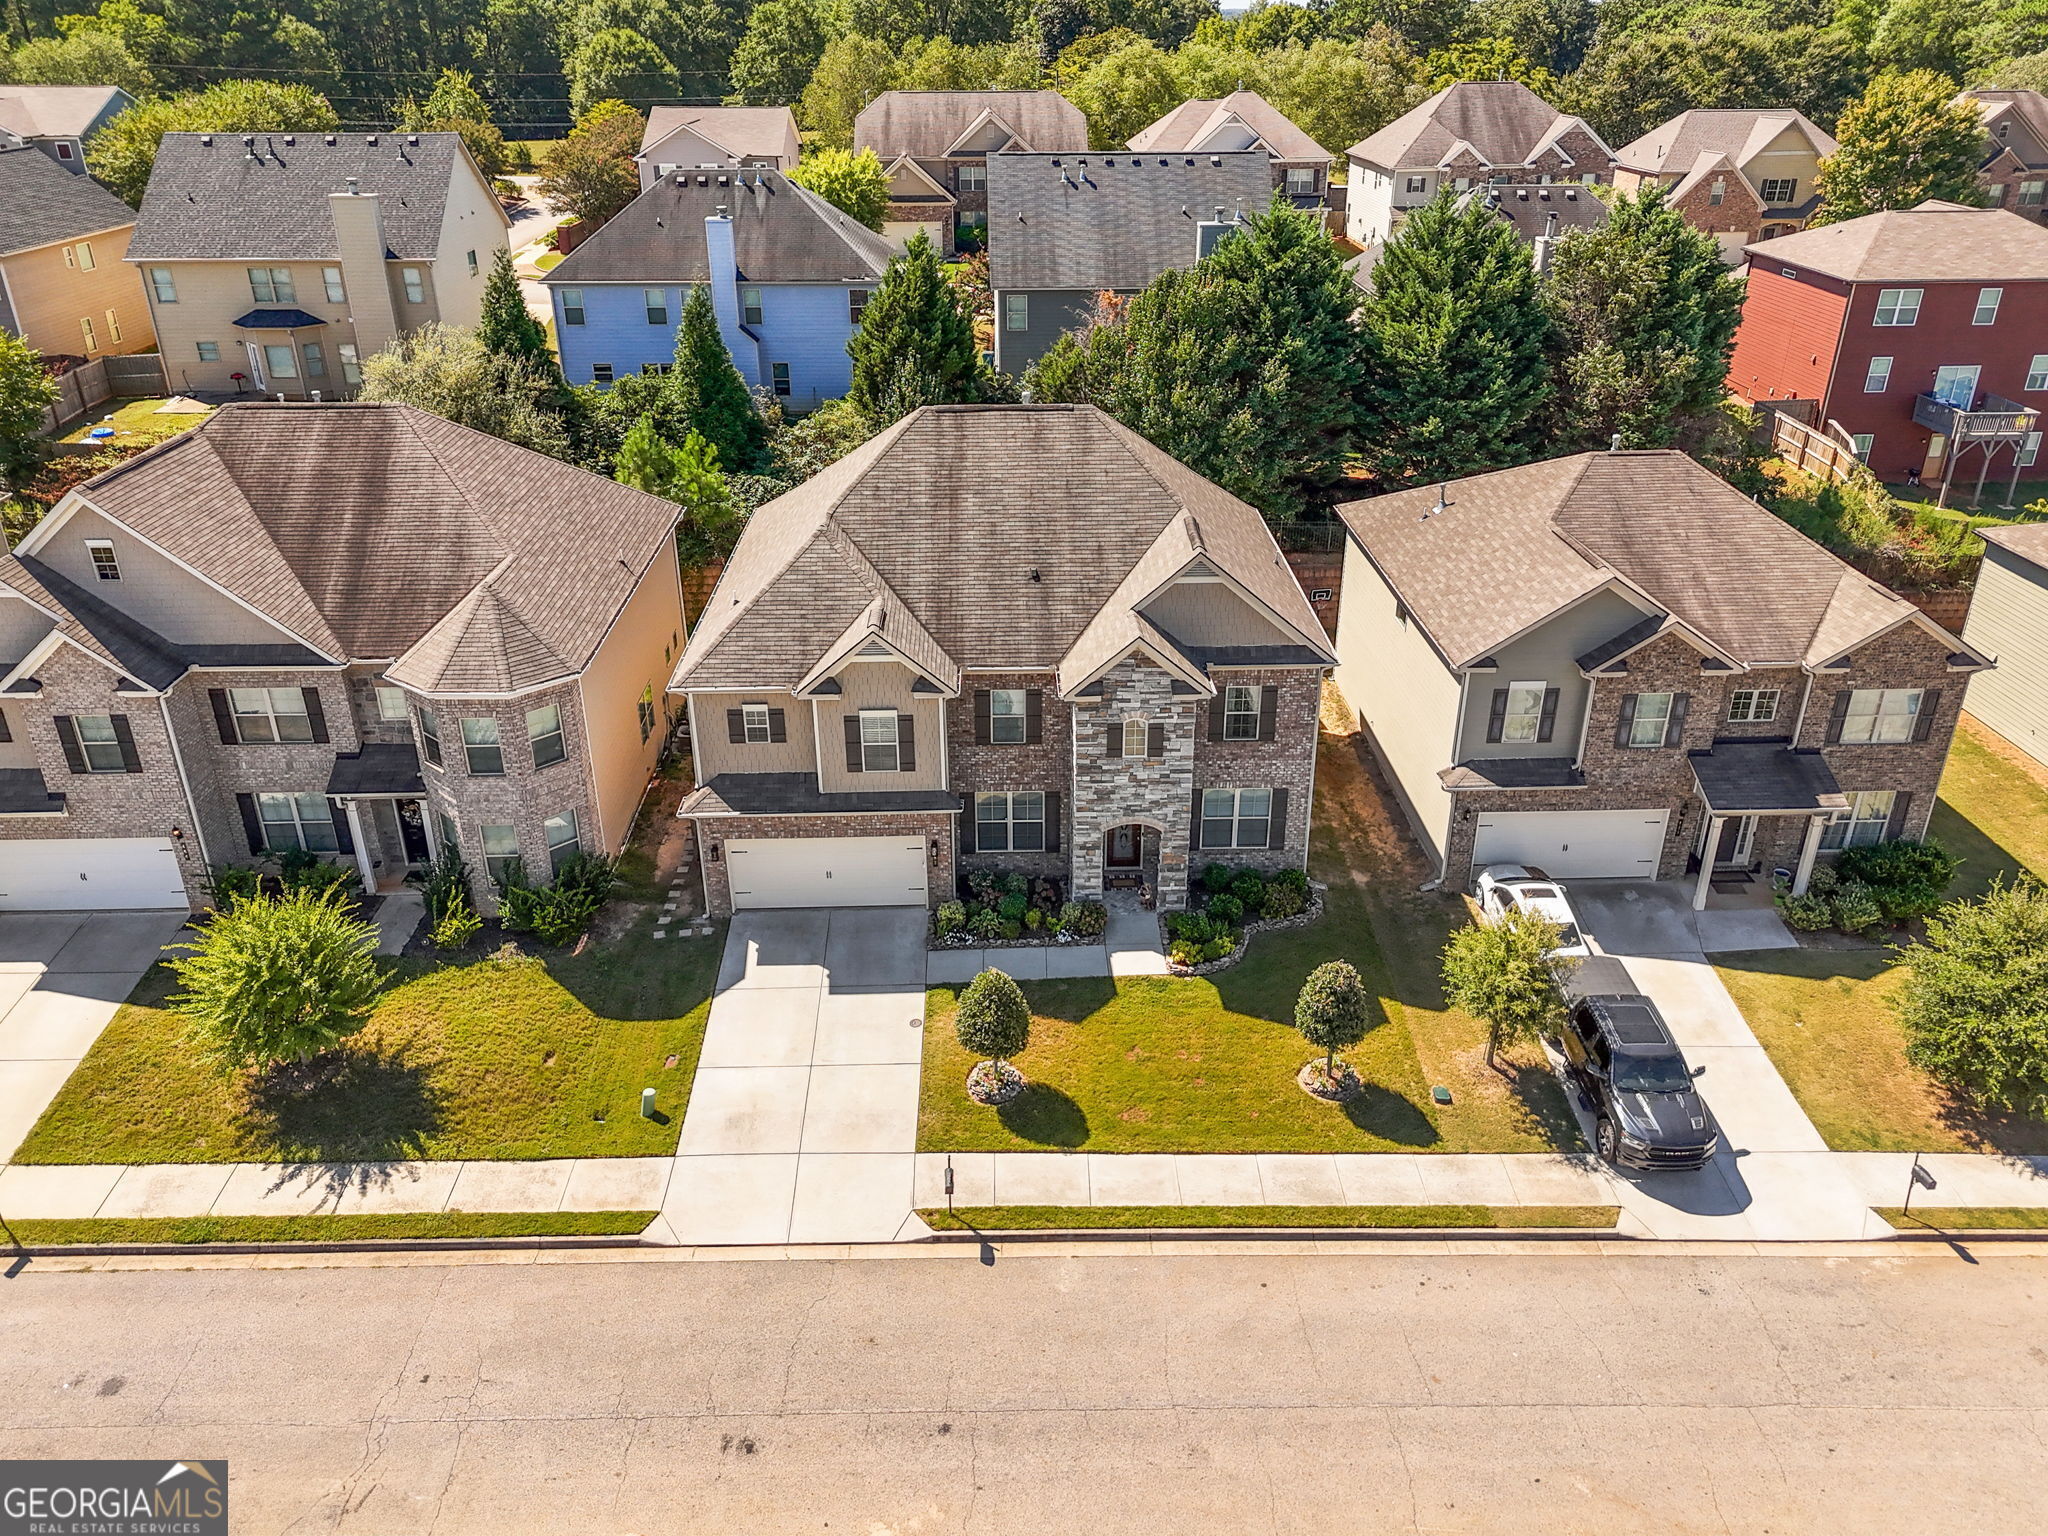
x: 1763, y: 809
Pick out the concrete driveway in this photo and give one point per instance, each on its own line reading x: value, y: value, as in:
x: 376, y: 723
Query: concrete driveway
x: 62, y: 976
x: 802, y: 1121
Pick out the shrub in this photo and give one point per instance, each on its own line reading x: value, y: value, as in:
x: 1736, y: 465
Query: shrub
x: 1908, y: 878
x: 1216, y: 878
x: 1293, y: 879
x: 1822, y: 881
x: 274, y: 981
x: 445, y: 882
x: 1012, y: 906
x: 949, y: 919
x: 1034, y: 919
x: 558, y: 912
x: 1184, y: 952
x: 1015, y: 885
x: 1331, y: 1010
x: 457, y: 924
x: 993, y: 1019
x: 233, y: 882
x: 1856, y: 909
x: 1250, y: 889
x: 300, y: 869
x: 1012, y: 928
x: 1975, y: 1000
x: 1084, y: 919
x: 986, y: 923
x: 1808, y: 913
x: 981, y: 886
x: 1219, y: 947
x: 1226, y: 909
x: 1283, y: 899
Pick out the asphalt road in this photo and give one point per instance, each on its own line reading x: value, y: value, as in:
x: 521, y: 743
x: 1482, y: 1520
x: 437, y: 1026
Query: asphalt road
x: 1300, y: 1393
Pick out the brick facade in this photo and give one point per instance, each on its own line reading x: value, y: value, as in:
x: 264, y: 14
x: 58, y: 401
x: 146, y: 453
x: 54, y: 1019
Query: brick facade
x: 1288, y: 762
x: 714, y: 831
x: 984, y: 768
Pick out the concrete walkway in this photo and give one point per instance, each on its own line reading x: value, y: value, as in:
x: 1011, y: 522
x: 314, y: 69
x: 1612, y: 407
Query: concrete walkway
x: 62, y: 977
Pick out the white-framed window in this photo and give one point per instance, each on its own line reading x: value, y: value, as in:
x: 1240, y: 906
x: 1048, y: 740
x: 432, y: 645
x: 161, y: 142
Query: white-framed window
x: 430, y: 737
x: 86, y: 260
x: 1986, y: 312
x: 563, y: 843
x: 600, y: 373
x: 857, y: 304
x: 2031, y: 193
x: 446, y: 825
x: 316, y: 359
x: 470, y: 257
x: 1524, y: 719
x: 1862, y: 442
x: 330, y: 279
x: 1753, y: 706
x: 1877, y: 377
x: 1780, y: 191
x: 878, y: 750
x: 750, y: 306
x: 1881, y: 715
x: 209, y: 351
x: 501, y: 851
x: 1869, y: 812
x: 99, y: 744
x: 1009, y: 822
x: 1897, y: 306
x: 480, y: 747
x: 2030, y: 450
x: 113, y: 327
x: 65, y: 151
x: 163, y: 285
x: 1301, y: 181
x: 572, y: 306
x: 1134, y: 737
x: 351, y: 363
x: 1717, y: 192
x: 390, y: 704
x: 1006, y: 715
x: 281, y: 361
x: 754, y: 729
x: 415, y: 285
x: 272, y: 285
x: 656, y: 300
x: 971, y: 178
x: 1240, y: 713
x: 92, y: 341
x: 270, y: 714
x: 645, y: 710
x: 106, y: 565
x: 1417, y: 184
x: 297, y: 821
x: 1237, y: 818
x: 1016, y: 311
x: 544, y: 735
x: 778, y: 378
x: 1651, y: 720
x: 2037, y: 372
x: 656, y: 370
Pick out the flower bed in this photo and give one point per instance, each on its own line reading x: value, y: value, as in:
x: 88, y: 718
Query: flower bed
x: 1312, y: 913
x: 1014, y: 912
x: 1212, y: 936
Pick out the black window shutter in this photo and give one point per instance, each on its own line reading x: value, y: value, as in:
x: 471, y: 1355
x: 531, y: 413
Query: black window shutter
x: 252, y: 824
x: 1052, y: 822
x: 1216, y: 714
x: 736, y: 726
x: 124, y: 738
x: 1625, y: 720
x: 1113, y: 744
x: 778, y: 726
x: 1155, y: 740
x: 1034, y: 717
x: 982, y: 732
x: 1838, y: 714
x: 344, y: 839
x: 1269, y: 712
x: 1896, y: 827
x: 906, y: 743
x: 1546, y: 725
x: 968, y: 813
x: 5, y: 734
x: 1276, y: 828
x: 1923, y: 723
x: 1674, y: 724
x: 223, y: 717
x: 1497, y: 716
x: 853, y: 743
x: 316, y: 714
x: 1195, y: 823
x: 67, y: 737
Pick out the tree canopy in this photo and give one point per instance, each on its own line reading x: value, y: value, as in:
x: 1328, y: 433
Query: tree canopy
x: 123, y: 153
x: 1903, y: 141
x: 853, y: 183
x: 914, y: 332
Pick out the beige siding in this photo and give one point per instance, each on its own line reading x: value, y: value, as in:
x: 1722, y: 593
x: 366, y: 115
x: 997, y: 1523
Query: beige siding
x: 1547, y: 654
x: 472, y: 222
x: 212, y: 295
x: 1210, y: 613
x: 50, y: 298
x: 2009, y: 621
x: 1402, y: 693
x: 22, y: 627
x: 634, y: 657
x: 715, y: 753
x: 875, y: 685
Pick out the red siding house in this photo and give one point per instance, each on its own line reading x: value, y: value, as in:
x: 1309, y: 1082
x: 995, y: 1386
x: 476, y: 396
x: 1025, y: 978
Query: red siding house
x: 1920, y: 335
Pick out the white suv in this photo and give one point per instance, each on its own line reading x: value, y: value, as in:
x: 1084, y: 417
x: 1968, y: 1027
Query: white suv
x: 1515, y: 887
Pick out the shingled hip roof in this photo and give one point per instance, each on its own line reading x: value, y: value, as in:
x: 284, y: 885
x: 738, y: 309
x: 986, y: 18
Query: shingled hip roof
x: 1737, y: 132
x: 1503, y: 122
x: 1935, y: 242
x: 926, y: 124
x: 1189, y: 125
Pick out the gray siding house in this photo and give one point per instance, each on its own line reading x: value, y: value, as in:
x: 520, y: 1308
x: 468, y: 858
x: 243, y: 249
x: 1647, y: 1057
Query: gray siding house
x: 2009, y: 620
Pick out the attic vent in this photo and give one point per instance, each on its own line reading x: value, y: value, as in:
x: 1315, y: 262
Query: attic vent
x: 328, y: 140
x: 874, y: 648
x: 1200, y: 568
x: 291, y: 141
x: 206, y: 141
x: 413, y: 139
x: 1216, y: 161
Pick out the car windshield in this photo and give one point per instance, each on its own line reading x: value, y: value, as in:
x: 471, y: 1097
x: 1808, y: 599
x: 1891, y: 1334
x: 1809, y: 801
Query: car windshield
x: 1568, y: 936
x: 1651, y: 1074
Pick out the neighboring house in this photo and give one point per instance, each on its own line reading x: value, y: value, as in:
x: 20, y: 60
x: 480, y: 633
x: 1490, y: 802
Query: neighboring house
x: 935, y: 146
x: 2015, y: 169
x: 355, y: 629
x: 684, y: 138
x: 1615, y: 665
x: 2009, y: 622
x: 789, y: 276
x: 1012, y: 638
x: 1918, y: 335
x: 277, y: 262
x: 64, y: 288
x: 59, y: 120
x: 1244, y: 120
x: 1070, y: 228
x: 1472, y: 132
x: 1740, y: 174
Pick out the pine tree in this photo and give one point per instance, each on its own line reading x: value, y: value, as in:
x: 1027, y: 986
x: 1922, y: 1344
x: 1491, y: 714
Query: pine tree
x: 1455, y: 339
x: 705, y: 393
x: 1903, y: 141
x: 915, y: 326
x: 690, y: 477
x: 645, y: 459
x: 507, y: 328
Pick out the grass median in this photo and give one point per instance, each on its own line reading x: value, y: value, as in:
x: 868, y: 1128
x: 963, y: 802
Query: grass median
x: 199, y: 1230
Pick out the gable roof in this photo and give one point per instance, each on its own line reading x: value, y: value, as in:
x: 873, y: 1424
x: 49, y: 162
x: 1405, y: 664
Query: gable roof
x: 927, y: 124
x: 55, y: 111
x: 1111, y: 221
x: 1189, y: 125
x: 224, y: 201
x: 782, y: 233
x: 374, y: 531
x: 1996, y: 107
x: 989, y: 536
x: 742, y: 132
x: 1502, y: 122
x: 42, y: 203
x: 1513, y: 547
x: 1738, y: 132
x: 1935, y: 242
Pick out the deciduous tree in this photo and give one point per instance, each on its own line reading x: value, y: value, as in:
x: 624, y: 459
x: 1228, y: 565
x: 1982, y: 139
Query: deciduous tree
x: 447, y: 369
x: 853, y: 183
x: 123, y: 153
x: 1332, y: 1011
x: 1497, y: 972
x: 1903, y: 141
x: 852, y: 71
x: 26, y: 391
x: 993, y: 1020
x: 1974, y: 1002
x: 783, y: 42
x: 590, y: 174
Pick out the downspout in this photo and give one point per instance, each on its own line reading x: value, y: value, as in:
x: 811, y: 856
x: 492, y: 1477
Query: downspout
x: 1799, y: 726
x: 596, y: 801
x: 1585, y: 726
x: 163, y: 705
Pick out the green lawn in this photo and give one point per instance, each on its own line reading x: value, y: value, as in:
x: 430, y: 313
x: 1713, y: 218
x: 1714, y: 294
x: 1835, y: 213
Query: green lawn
x: 1992, y: 813
x: 549, y: 262
x: 327, y: 1229
x: 136, y: 423
x: 1967, y: 1218
x: 1024, y: 1218
x: 1164, y: 1064
x: 483, y: 1059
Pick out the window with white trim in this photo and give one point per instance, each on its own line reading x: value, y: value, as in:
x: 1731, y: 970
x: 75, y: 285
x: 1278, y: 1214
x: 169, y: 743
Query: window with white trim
x: 544, y: 735
x: 971, y: 178
x: 92, y: 341
x: 656, y: 301
x: 106, y: 565
x: 2031, y: 193
x: 390, y: 704
x: 1986, y: 312
x: 2037, y: 372
x: 1016, y: 311
x: 1009, y: 822
x: 1524, y: 719
x: 1897, y: 306
x: 645, y: 710
x: 856, y: 304
x: 750, y: 306
x: 1881, y: 715
x: 878, y: 750
x: 330, y: 280
x: 1301, y: 181
x: 415, y: 285
x: 1862, y: 443
x: 209, y: 351
x: 600, y: 373
x: 281, y: 362
x: 430, y: 737
x: 270, y: 714
x: 449, y: 839
x: 470, y: 257
x: 1753, y: 706
x: 480, y: 746
x: 99, y: 744
x: 572, y: 306
x: 1862, y: 823
x: 501, y: 851
x: 1417, y: 184
x: 297, y: 821
x: 351, y: 363
x: 272, y: 285
x: 1779, y: 191
x: 2030, y: 450
x: 163, y: 285
x: 1240, y: 713
x: 316, y: 359
x: 1006, y: 723
x: 113, y: 327
x: 1877, y: 377
x: 754, y: 724
x: 778, y: 379
x: 1236, y: 818
x: 86, y: 260
x: 563, y: 841
x: 1650, y: 721
x: 1134, y: 738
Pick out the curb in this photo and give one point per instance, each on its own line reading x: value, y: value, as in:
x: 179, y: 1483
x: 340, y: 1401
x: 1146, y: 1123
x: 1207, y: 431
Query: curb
x: 368, y: 1245
x: 1299, y: 1234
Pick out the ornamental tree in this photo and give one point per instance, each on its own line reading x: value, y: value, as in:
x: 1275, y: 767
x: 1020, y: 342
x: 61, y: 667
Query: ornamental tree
x: 1499, y: 973
x: 1332, y: 1011
x: 993, y: 1020
x: 855, y: 184
x: 1904, y: 140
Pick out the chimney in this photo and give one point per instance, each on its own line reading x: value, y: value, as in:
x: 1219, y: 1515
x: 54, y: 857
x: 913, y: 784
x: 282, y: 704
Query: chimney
x: 722, y: 258
x: 1545, y: 244
x: 359, y: 247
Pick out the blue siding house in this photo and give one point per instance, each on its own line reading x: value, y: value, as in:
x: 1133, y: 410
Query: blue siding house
x: 789, y: 275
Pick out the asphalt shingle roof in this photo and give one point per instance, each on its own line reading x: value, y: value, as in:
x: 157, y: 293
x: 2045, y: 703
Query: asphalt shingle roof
x: 1737, y: 132
x: 41, y: 203
x: 1188, y: 125
x: 1503, y: 120
x: 1935, y: 242
x: 741, y: 131
x: 924, y: 124
x: 53, y: 111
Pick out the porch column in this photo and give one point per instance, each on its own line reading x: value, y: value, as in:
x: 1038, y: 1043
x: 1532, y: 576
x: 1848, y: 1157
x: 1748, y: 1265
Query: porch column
x: 1706, y: 880
x: 364, y: 863
x: 1807, y: 849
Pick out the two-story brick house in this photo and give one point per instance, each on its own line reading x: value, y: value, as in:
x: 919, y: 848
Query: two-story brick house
x: 1614, y: 665
x: 1012, y: 637
x: 1919, y: 335
x: 1240, y: 121
x: 355, y: 629
x: 1742, y: 174
x: 935, y: 147
x: 2014, y: 171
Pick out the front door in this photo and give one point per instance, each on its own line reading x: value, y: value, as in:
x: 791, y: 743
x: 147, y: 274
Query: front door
x: 256, y: 374
x: 1738, y: 834
x: 1123, y: 847
x: 412, y: 831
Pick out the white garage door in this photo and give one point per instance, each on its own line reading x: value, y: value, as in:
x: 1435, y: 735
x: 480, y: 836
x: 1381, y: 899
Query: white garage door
x: 73, y: 873
x: 1583, y: 845
x: 826, y: 871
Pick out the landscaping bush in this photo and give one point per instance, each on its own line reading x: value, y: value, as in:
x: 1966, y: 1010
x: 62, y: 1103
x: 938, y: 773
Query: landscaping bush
x: 1219, y: 947
x: 985, y: 923
x: 982, y: 887
x: 1283, y: 900
x: 1217, y: 878
x: 1856, y: 909
x: 1293, y: 879
x: 300, y: 869
x: 1184, y: 952
x: 445, y: 882
x: 1808, y: 913
x: 1013, y: 906
x: 993, y: 1019
x: 1034, y: 919
x: 1822, y: 881
x: 233, y: 882
x: 1975, y: 999
x: 1013, y: 928
x: 950, y: 919
x: 1084, y: 919
x: 1908, y: 878
x: 1250, y: 889
x: 559, y: 912
x: 1331, y: 1011
x: 1226, y: 909
x: 457, y: 924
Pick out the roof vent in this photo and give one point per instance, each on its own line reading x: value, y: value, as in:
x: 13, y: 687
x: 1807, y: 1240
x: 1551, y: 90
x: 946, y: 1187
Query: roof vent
x: 355, y: 187
x: 1216, y: 161
x: 413, y: 139
x: 1614, y: 443
x: 1034, y: 574
x: 291, y: 141
x: 248, y: 141
x: 328, y: 140
x: 1571, y: 194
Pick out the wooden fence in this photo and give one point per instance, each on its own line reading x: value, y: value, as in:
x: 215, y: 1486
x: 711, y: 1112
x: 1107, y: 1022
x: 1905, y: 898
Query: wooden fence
x: 1816, y: 453
x: 79, y: 391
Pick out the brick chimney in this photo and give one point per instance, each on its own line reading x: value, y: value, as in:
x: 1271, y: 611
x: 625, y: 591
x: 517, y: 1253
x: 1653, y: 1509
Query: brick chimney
x: 359, y: 246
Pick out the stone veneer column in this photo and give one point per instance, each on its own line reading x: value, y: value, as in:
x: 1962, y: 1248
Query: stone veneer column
x: 1156, y: 793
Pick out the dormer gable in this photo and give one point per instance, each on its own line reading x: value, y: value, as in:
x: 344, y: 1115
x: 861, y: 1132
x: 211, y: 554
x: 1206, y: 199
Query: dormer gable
x: 910, y: 182
x: 988, y: 134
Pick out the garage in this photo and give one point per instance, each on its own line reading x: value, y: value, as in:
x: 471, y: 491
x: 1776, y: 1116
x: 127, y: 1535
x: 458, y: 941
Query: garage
x: 826, y: 871
x: 1582, y: 845
x: 68, y: 874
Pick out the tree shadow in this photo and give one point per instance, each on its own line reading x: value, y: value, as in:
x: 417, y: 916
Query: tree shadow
x: 1071, y: 999
x: 1043, y: 1115
x: 1380, y: 1111
x: 377, y: 1107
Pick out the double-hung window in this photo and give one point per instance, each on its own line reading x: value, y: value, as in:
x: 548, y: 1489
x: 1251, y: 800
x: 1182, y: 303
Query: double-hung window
x: 1011, y: 822
x: 572, y: 306
x: 351, y: 364
x: 563, y: 844
x: 856, y: 305
x: 1417, y: 184
x: 1881, y: 715
x: 1135, y: 732
x: 750, y: 306
x: 106, y: 565
x: 1897, y: 306
x: 446, y: 825
x: 281, y: 361
x: 85, y: 329
x: 1240, y: 713
x: 646, y: 712
x: 1016, y: 311
x: 1986, y: 312
x: 415, y: 285
x: 971, y: 178
x: 272, y: 285
x: 1877, y: 377
x: 297, y: 821
x: 755, y: 729
x: 1753, y: 706
x: 2037, y: 372
x: 163, y: 285
x: 480, y: 748
x: 1523, y: 722
x: 544, y: 734
x: 1006, y: 722
x: 2031, y: 193
x: 656, y: 300
x: 1236, y: 818
x: 1780, y: 191
x: 270, y: 714
x: 501, y: 851
x: 86, y: 262
x: 1301, y: 181
x: 316, y: 359
x: 430, y: 737
x: 878, y: 749
x: 778, y: 376
x: 100, y: 744
x: 209, y: 351
x: 1651, y: 721
x: 1862, y: 823
x: 330, y: 279
x: 1862, y: 443
x: 600, y: 373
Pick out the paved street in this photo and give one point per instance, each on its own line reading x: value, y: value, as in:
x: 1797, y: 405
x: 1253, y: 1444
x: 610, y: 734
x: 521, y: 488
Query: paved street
x: 1529, y: 1392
